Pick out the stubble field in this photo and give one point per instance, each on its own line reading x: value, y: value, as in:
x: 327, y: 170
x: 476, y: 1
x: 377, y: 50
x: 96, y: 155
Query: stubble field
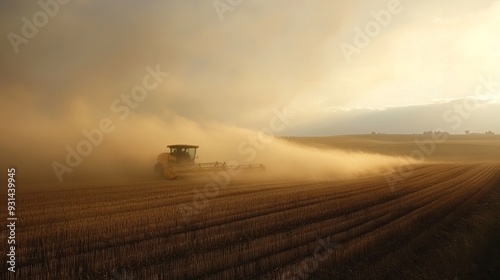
x: 439, y: 220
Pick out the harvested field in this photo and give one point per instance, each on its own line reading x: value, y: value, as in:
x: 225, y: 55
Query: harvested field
x: 259, y: 228
x: 231, y: 139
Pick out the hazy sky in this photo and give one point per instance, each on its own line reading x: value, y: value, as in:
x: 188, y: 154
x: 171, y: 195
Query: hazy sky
x: 233, y: 64
x: 261, y: 55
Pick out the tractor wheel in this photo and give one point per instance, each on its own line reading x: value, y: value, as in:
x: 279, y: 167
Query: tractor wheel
x: 159, y: 171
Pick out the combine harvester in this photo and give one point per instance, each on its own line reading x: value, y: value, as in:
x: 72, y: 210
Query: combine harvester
x: 181, y: 161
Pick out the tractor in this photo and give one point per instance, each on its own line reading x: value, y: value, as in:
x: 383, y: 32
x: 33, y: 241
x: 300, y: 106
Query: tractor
x: 181, y: 159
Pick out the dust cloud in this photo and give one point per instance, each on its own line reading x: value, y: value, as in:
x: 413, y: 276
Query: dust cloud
x: 129, y: 150
x: 284, y: 159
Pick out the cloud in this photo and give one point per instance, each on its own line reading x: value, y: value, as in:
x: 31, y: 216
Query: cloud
x: 264, y: 55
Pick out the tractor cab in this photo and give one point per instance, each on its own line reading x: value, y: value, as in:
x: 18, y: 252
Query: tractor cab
x: 184, y: 154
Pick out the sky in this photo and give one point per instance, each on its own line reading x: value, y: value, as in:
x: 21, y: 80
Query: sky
x: 333, y: 67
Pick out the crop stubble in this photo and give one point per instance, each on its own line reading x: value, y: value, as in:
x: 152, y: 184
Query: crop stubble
x: 250, y: 229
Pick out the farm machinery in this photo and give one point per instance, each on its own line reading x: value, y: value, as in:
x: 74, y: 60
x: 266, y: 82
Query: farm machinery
x: 181, y: 159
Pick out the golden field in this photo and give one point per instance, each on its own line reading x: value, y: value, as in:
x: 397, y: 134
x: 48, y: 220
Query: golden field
x: 438, y: 220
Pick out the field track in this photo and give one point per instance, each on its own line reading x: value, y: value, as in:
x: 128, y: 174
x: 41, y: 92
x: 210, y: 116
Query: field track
x: 278, y: 229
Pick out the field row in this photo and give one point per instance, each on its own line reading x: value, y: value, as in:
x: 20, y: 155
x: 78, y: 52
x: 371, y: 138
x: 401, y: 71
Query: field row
x: 249, y: 229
